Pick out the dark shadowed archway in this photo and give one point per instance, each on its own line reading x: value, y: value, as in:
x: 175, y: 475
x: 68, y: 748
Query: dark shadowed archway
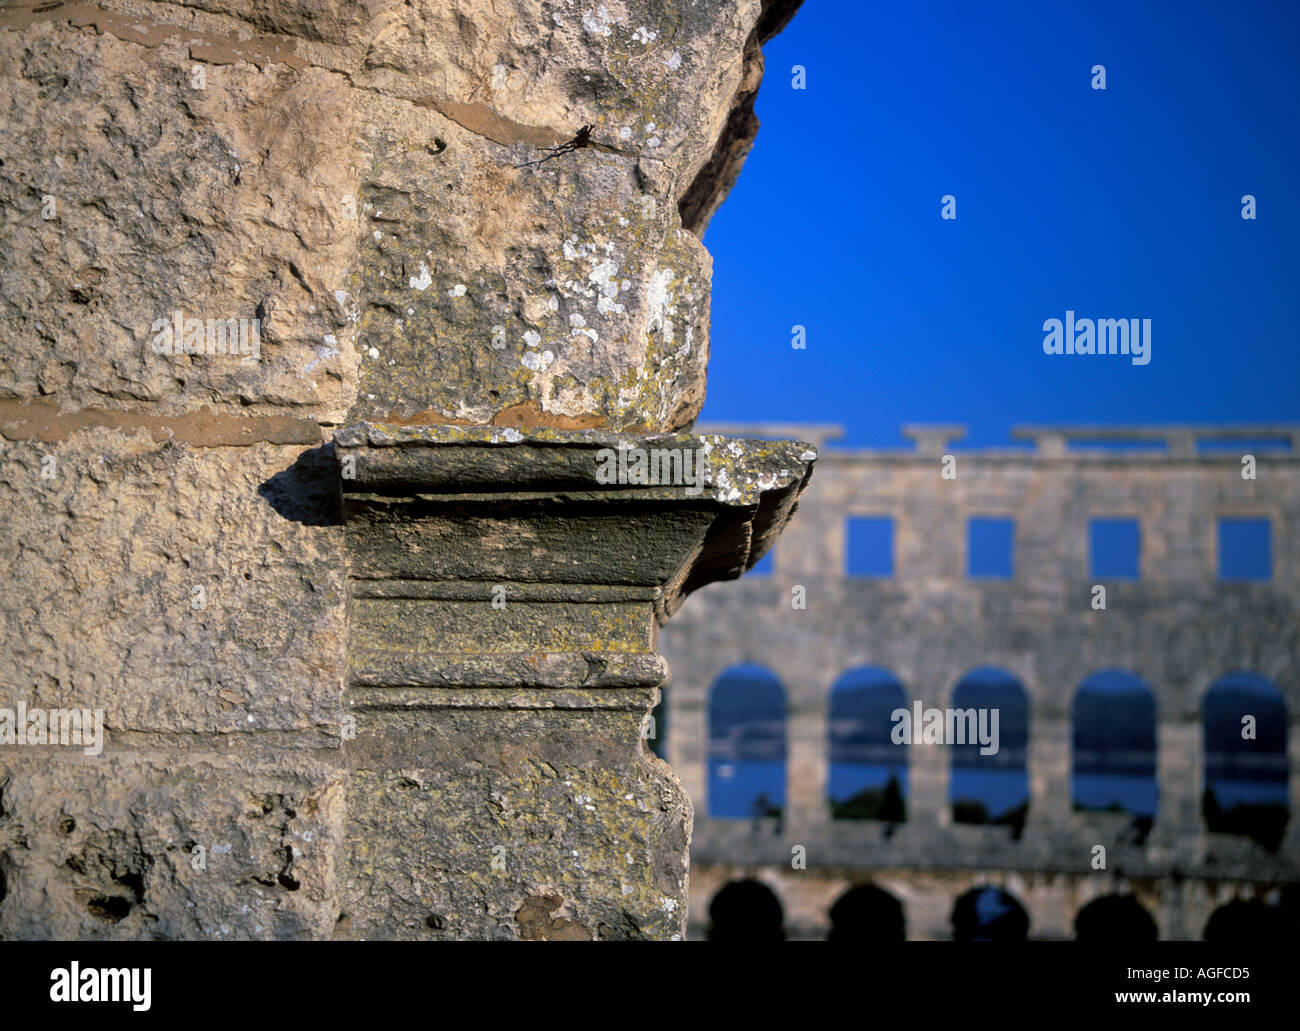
x: 989, y: 915
x: 1114, y: 918
x: 746, y: 911
x: 1252, y: 921
x: 866, y: 913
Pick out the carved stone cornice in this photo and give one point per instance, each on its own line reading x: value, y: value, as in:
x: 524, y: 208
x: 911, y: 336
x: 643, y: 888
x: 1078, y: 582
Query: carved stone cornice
x: 493, y: 569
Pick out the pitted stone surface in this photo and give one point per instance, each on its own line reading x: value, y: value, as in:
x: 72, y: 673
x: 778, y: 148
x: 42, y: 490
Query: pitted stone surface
x: 372, y: 183
x: 373, y: 186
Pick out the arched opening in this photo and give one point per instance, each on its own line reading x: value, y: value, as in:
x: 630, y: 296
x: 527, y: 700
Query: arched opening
x: 1114, y: 720
x: 747, y: 744
x: 989, y: 915
x: 1246, y: 790
x: 746, y: 911
x: 990, y: 783
x: 1253, y: 921
x: 1114, y: 918
x: 868, y: 771
x: 866, y: 913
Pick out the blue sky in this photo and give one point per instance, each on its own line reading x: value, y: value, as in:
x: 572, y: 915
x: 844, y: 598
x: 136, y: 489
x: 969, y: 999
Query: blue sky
x: 1120, y: 203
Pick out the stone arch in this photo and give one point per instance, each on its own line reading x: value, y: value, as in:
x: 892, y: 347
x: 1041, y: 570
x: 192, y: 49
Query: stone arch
x: 866, y: 769
x: 1114, y: 918
x: 992, y: 788
x: 866, y: 913
x: 1113, y: 719
x: 747, y: 744
x: 746, y: 910
x: 1246, y: 789
x: 986, y: 913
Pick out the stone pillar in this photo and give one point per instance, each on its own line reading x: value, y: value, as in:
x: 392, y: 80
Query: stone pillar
x: 688, y: 743
x: 468, y: 214
x: 1174, y: 919
x: 807, y: 811
x: 927, y: 800
x: 1179, y: 771
x: 1050, y: 750
x: 502, y: 669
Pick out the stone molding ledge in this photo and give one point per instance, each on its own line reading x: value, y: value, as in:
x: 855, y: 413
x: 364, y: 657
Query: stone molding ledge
x: 494, y: 569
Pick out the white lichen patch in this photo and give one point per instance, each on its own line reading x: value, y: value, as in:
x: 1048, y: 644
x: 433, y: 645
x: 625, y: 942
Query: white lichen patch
x: 457, y: 291
x: 580, y: 328
x: 602, y: 277
x: 644, y: 35
x: 328, y: 349
x: 674, y: 61
x: 537, y: 362
x: 659, y: 299
x: 423, y: 281
x: 573, y: 250
x: 681, y: 352
x: 598, y: 22
x: 726, y: 490
x: 499, y: 76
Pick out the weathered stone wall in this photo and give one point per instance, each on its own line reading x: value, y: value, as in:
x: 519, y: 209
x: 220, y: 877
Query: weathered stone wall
x: 355, y: 177
x: 1177, y: 627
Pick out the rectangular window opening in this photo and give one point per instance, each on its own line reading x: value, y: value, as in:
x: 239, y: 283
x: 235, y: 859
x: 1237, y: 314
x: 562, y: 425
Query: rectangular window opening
x: 870, y: 546
x: 990, y: 547
x: 1245, y: 548
x: 1114, y: 546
